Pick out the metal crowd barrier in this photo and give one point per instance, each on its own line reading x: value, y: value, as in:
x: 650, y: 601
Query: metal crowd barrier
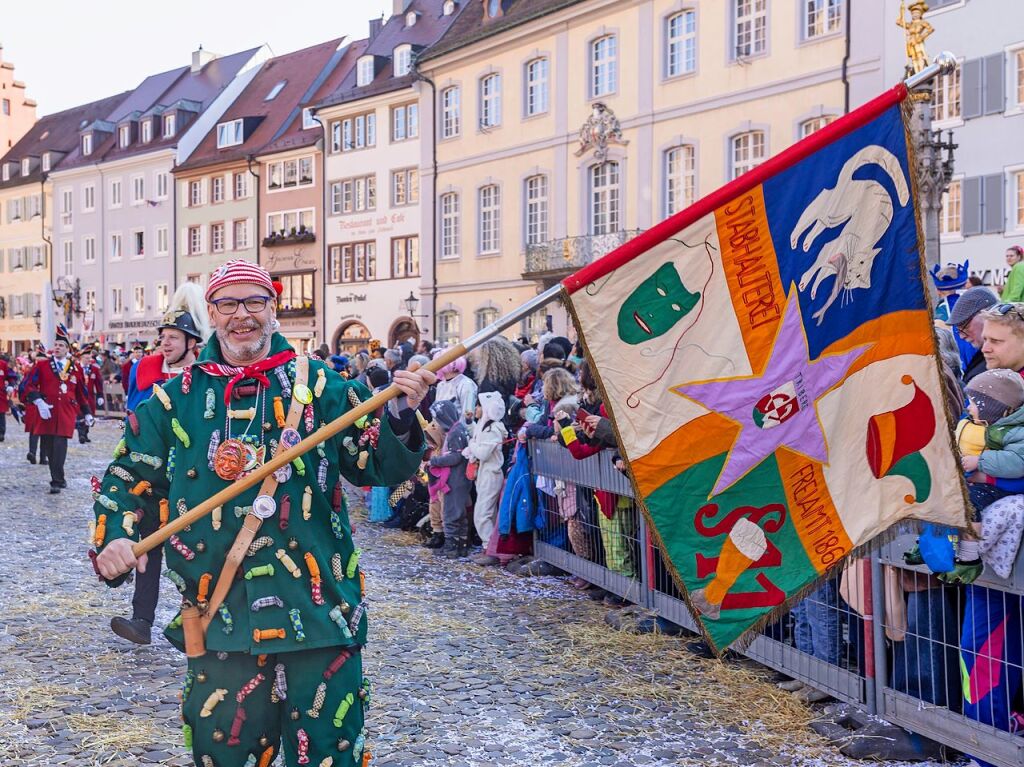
x: 904, y: 667
x: 113, y: 401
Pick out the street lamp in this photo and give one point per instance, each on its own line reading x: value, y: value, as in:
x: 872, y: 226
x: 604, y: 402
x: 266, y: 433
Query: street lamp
x: 38, y: 317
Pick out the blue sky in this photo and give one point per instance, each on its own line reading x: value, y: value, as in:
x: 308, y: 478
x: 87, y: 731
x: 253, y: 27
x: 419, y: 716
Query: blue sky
x: 68, y: 52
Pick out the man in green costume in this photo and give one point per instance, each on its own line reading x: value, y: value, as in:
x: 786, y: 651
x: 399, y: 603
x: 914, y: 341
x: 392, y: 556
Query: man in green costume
x: 280, y: 667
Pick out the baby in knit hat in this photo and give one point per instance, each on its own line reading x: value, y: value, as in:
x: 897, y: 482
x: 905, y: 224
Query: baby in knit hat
x: 991, y: 436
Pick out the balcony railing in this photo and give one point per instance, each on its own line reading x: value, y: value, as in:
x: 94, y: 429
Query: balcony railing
x: 564, y: 256
x: 284, y: 237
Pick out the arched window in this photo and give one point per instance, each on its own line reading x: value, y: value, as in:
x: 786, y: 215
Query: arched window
x: 351, y: 337
x: 680, y: 179
x: 489, y: 219
x: 536, y: 210
x: 536, y: 87
x: 604, y: 66
x: 450, y: 225
x: 747, y: 152
x: 604, y: 198
x: 681, y: 43
x: 490, y: 101
x: 448, y: 327
x: 485, y: 316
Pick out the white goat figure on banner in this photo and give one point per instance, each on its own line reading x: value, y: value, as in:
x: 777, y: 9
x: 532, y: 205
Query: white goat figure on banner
x: 866, y: 209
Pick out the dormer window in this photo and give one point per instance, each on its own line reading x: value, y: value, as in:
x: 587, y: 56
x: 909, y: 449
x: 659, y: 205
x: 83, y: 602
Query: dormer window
x: 364, y: 71
x: 308, y: 121
x: 403, y: 60
x: 169, y: 126
x: 26, y: 167
x: 410, y: 18
x: 87, y: 144
x: 275, y: 90
x: 493, y: 8
x: 147, y: 131
x: 448, y: 8
x: 229, y: 134
x: 6, y: 172
x: 46, y: 162
x: 124, y: 136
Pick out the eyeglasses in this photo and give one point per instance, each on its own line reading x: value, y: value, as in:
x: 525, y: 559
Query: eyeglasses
x: 1004, y: 309
x: 253, y: 304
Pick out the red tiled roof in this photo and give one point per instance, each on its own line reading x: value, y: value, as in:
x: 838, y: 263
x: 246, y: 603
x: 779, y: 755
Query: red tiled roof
x: 57, y: 132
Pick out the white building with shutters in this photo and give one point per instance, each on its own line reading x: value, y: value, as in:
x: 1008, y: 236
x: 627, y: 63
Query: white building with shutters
x: 983, y: 104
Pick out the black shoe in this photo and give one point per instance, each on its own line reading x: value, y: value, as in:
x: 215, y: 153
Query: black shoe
x: 44, y: 461
x: 457, y: 550
x: 135, y: 630
x: 394, y: 522
x: 88, y: 440
x: 435, y: 541
x: 54, y: 489
x: 62, y: 484
x: 30, y: 458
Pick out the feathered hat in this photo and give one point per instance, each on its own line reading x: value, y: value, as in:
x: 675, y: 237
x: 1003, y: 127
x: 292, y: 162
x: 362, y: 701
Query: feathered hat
x: 62, y: 334
x: 187, y: 312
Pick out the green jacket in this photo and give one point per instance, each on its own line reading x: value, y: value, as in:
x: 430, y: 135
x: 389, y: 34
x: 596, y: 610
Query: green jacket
x: 327, y: 533
x: 1013, y: 290
x: 1003, y: 455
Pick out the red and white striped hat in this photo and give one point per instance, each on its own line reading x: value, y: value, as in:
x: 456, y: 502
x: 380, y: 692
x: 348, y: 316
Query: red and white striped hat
x: 238, y: 272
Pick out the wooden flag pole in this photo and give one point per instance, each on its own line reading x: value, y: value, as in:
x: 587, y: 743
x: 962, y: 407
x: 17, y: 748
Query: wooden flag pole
x: 338, y: 424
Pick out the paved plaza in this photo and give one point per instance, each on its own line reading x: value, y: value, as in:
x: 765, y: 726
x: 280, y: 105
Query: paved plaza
x: 470, y: 666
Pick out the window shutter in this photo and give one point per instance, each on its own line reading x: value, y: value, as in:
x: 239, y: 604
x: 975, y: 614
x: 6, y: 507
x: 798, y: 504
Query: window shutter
x: 970, y: 88
x: 995, y: 71
x: 993, y: 203
x: 971, y: 221
x: 229, y: 187
x: 229, y: 236
x: 187, y: 199
x: 183, y: 240
x: 204, y: 191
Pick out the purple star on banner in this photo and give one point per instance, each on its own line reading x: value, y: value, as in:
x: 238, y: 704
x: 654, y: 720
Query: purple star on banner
x: 779, y: 407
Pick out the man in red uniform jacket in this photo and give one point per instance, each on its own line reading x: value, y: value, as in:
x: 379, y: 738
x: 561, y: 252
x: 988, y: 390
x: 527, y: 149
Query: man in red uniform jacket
x: 7, y: 380
x: 56, y: 389
x: 93, y: 390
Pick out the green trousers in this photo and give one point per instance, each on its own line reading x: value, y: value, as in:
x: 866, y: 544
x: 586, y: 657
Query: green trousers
x: 617, y: 536
x: 221, y: 685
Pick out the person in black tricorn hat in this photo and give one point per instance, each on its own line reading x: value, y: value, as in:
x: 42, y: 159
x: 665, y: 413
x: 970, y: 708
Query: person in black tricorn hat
x: 185, y: 325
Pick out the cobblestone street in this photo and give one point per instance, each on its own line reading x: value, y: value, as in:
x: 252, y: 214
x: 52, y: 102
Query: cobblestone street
x: 470, y: 666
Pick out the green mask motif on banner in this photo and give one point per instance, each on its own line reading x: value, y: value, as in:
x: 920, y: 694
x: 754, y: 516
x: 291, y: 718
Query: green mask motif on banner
x: 657, y: 304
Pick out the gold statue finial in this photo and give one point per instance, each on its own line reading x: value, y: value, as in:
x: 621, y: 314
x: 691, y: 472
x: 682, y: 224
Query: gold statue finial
x: 916, y: 30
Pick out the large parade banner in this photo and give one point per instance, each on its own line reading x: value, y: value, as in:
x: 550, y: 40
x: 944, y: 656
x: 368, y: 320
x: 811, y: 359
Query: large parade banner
x: 768, y: 359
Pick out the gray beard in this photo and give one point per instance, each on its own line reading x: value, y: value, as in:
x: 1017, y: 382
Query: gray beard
x: 246, y: 353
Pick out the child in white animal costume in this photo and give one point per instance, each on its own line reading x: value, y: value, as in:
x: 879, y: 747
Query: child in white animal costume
x: 485, y: 446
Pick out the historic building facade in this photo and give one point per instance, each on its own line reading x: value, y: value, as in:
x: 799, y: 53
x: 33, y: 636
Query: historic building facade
x: 564, y: 128
x: 17, y: 110
x: 375, y: 197
x: 118, y: 186
x: 27, y: 224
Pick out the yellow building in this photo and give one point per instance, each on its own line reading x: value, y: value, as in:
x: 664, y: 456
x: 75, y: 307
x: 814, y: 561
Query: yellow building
x: 564, y: 128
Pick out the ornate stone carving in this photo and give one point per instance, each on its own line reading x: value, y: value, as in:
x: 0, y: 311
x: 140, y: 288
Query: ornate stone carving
x: 601, y: 129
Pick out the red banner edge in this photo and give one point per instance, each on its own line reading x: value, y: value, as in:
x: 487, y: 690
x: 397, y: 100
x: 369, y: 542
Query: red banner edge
x: 711, y: 202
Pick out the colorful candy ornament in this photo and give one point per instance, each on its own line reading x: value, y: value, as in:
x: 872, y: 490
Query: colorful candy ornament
x: 289, y: 563
x: 318, y: 701
x: 211, y: 405
x: 180, y: 433
x: 343, y: 708
x: 225, y: 616
x: 296, y: 618
x: 212, y: 700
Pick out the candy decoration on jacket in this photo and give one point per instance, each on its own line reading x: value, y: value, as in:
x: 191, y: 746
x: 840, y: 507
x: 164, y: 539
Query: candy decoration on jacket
x: 338, y: 617
x: 300, y: 466
x: 133, y: 423
x: 282, y: 378
x: 178, y: 545
x: 107, y: 503
x: 307, y: 502
x: 121, y: 448
x: 165, y: 511
x: 284, y: 512
x: 186, y: 380
x: 262, y: 603
x: 236, y: 727
x: 120, y: 472
x: 266, y: 757
x: 308, y: 419
x: 365, y: 694
x: 101, y: 530
x: 256, y: 572
x: 260, y: 635
x: 296, y: 618
x: 371, y: 435
x: 279, y: 412
x: 160, y: 394
x: 215, y: 517
x: 357, y: 616
x: 342, y: 710
x: 142, y: 487
x: 242, y: 414
x: 186, y: 735
x: 171, y: 455
x: 350, y: 445
x: 359, y: 745
x: 211, y: 451
x: 303, y: 746
x: 211, y: 405
x: 318, y: 701
x: 91, y: 537
x: 337, y: 663
x: 364, y: 458
x: 321, y: 475
x: 212, y: 700
x: 280, y: 682
x: 176, y: 579
x: 321, y: 382
x: 353, y: 563
x: 336, y: 570
x: 225, y: 616
x: 289, y: 563
x: 180, y: 433
x: 207, y: 760
x: 186, y: 688
x: 128, y: 521
x: 248, y: 687
x: 336, y: 497
x: 328, y: 761
x: 149, y: 460
x: 260, y: 543
x: 203, y: 593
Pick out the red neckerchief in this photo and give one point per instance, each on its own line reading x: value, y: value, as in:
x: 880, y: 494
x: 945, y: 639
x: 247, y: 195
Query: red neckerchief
x: 254, y: 370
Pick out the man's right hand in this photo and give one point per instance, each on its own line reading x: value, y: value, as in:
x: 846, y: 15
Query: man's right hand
x: 117, y: 559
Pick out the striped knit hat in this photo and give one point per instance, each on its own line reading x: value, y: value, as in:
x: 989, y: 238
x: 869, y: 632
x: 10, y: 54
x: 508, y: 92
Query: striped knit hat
x: 238, y: 272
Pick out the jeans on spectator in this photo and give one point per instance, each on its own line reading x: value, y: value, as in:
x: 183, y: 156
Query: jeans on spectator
x: 924, y: 664
x: 816, y: 623
x: 991, y: 656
